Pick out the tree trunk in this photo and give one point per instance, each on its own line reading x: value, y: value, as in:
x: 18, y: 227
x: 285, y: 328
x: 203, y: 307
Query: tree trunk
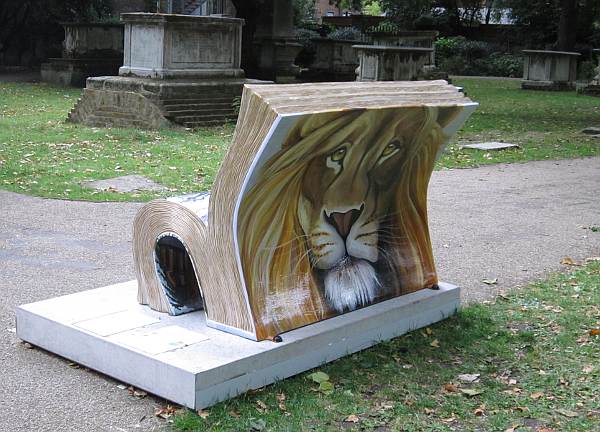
x: 567, y: 26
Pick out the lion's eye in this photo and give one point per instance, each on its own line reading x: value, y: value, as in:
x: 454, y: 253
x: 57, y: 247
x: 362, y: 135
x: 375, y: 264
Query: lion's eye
x: 338, y: 155
x: 390, y: 148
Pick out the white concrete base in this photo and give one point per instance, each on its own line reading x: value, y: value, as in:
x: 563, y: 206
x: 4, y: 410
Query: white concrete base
x: 181, y: 359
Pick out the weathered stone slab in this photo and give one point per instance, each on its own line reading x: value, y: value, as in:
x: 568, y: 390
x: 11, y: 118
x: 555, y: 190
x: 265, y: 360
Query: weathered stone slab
x: 594, y: 130
x: 489, y: 146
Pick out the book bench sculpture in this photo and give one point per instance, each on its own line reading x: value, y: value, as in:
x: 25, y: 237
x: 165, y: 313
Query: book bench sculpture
x: 315, y: 228
x: 319, y: 208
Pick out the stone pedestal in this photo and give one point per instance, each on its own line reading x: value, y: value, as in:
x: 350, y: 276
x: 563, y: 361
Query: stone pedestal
x: 181, y: 46
x: 390, y: 63
x: 89, y: 49
x: 549, y: 70
x: 275, y: 44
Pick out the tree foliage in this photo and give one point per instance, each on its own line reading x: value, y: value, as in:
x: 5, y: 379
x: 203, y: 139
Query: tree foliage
x: 445, y: 15
x: 17, y: 18
x: 554, y: 24
x: 12, y: 17
x: 545, y: 24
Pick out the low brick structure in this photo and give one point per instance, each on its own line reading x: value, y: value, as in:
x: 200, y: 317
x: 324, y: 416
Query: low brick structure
x: 153, y: 104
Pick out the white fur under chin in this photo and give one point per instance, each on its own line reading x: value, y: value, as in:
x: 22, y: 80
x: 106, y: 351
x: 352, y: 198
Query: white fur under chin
x: 351, y: 286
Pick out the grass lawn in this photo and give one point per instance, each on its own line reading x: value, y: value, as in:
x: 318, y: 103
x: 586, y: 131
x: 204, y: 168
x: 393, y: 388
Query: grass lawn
x: 527, y: 361
x: 42, y: 155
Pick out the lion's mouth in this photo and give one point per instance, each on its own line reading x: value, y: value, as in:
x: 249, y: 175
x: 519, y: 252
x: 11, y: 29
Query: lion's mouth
x: 351, y: 283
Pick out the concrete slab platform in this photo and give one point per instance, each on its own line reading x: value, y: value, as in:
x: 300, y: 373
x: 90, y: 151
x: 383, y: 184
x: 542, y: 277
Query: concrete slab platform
x: 181, y: 359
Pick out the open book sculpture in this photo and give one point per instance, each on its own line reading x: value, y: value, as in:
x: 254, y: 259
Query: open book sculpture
x: 318, y: 209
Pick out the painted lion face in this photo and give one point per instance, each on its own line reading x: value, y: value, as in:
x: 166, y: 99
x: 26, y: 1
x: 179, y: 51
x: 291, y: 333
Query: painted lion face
x: 336, y: 219
x: 345, y: 204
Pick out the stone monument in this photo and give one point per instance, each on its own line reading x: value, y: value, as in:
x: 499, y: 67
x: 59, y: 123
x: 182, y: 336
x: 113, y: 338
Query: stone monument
x: 391, y: 63
x: 89, y: 50
x: 177, y: 69
x: 549, y: 70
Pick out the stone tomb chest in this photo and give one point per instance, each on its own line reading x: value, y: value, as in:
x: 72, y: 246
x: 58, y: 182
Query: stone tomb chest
x: 181, y: 46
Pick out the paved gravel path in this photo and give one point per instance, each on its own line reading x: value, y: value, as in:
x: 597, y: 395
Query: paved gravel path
x: 513, y: 222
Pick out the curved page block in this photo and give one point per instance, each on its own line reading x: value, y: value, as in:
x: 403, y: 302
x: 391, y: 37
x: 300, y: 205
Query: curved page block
x: 319, y: 208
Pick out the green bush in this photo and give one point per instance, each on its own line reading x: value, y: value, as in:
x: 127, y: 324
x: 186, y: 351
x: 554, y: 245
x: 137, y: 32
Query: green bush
x: 587, y: 70
x: 505, y: 65
x: 446, y: 48
x: 459, y: 56
x: 347, y: 33
x: 308, y: 52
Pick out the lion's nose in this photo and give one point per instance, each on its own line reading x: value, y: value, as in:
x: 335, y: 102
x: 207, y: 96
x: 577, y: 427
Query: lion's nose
x: 342, y: 222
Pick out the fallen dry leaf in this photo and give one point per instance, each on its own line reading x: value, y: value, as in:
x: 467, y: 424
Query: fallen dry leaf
x: 567, y: 261
x: 384, y: 406
x: 167, y: 411
x: 545, y: 430
x: 537, y: 395
x: 352, y: 418
x: 261, y: 404
x: 594, y: 332
x: 435, y: 344
x: 428, y: 411
x: 567, y: 413
x: 203, y: 414
x: 137, y: 393
x: 429, y: 331
x: 451, y: 387
x: 234, y: 414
